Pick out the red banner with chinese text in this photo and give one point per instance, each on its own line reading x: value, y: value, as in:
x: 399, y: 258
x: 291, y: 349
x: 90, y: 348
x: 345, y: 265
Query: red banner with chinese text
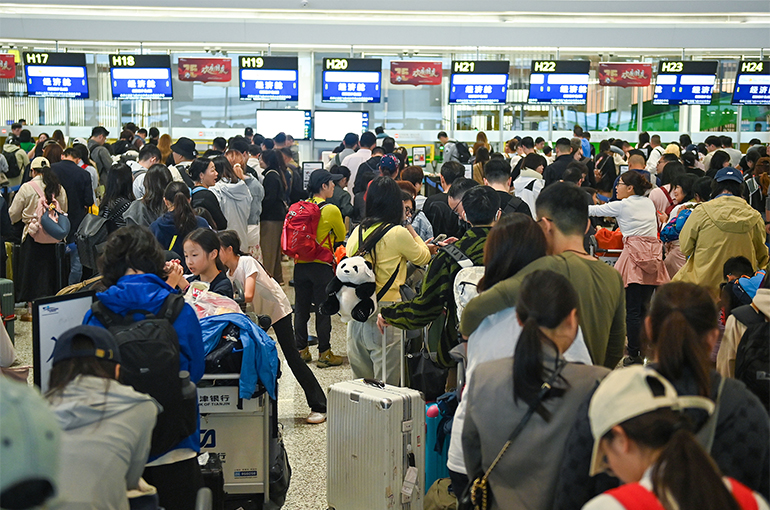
x: 7, y: 66
x: 624, y: 75
x: 415, y: 73
x: 204, y: 69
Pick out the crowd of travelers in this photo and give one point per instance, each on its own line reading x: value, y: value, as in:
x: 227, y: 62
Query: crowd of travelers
x: 599, y: 311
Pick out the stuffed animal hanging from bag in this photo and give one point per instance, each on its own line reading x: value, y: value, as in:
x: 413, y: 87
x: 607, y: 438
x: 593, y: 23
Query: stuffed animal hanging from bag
x: 352, y: 291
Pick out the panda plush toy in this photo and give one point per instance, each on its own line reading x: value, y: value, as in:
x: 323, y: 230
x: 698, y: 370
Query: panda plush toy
x: 352, y: 292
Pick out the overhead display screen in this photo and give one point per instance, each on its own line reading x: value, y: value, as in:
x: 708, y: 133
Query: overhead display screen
x: 140, y: 76
x: 558, y: 81
x: 752, y: 85
x: 292, y: 122
x: 269, y: 78
x: 56, y: 74
x: 351, y: 80
x: 684, y: 82
x: 333, y: 126
x: 478, y: 82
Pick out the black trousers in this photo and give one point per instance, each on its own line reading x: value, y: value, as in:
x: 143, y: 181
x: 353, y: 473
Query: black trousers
x: 310, y: 281
x: 316, y: 398
x: 177, y: 483
x: 637, y: 301
x: 459, y: 483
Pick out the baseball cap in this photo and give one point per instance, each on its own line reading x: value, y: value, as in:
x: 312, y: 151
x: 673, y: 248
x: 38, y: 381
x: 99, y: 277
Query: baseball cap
x: 29, y: 448
x: 40, y: 162
x: 729, y: 174
x: 320, y: 177
x: 350, y: 139
x: 104, y: 345
x: 81, y: 141
x: 628, y: 393
x: 184, y: 147
x: 389, y: 162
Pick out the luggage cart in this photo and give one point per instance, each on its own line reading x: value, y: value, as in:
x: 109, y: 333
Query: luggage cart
x: 609, y: 256
x: 238, y: 431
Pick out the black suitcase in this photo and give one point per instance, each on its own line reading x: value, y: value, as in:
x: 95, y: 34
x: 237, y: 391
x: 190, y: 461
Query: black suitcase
x: 214, y: 479
x: 7, y: 306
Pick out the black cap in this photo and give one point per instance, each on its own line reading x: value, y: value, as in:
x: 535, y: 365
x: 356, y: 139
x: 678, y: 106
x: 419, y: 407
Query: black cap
x: 185, y: 148
x: 320, y: 177
x: 105, y: 345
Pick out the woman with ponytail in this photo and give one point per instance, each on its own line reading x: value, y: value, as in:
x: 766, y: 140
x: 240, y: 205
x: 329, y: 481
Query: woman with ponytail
x: 525, y: 476
x: 641, y: 432
x: 681, y: 330
x: 277, y: 183
x: 171, y: 228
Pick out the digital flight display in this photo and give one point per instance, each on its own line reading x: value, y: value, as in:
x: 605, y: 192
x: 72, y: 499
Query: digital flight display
x: 351, y: 80
x: 558, y: 81
x: 56, y: 74
x: 478, y: 82
x: 292, y: 122
x: 140, y: 76
x: 269, y: 78
x: 752, y: 85
x: 684, y: 82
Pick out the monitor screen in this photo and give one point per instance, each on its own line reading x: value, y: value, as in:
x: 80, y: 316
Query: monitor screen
x: 684, y: 82
x: 558, y: 82
x: 333, y: 126
x: 478, y: 82
x: 56, y: 74
x: 752, y: 85
x: 140, y: 76
x: 351, y: 80
x: 269, y: 78
x: 292, y: 122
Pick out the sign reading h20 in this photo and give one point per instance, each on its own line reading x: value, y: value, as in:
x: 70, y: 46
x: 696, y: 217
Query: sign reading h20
x: 351, y: 80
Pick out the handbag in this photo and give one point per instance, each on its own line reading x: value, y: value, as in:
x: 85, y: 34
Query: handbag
x: 476, y: 494
x: 425, y: 375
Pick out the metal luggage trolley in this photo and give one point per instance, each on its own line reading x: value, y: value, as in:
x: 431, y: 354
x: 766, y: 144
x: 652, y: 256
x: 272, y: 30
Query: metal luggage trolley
x: 609, y: 256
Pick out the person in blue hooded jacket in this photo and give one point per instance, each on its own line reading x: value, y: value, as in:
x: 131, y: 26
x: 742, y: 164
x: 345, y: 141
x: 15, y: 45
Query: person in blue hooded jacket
x: 134, y: 268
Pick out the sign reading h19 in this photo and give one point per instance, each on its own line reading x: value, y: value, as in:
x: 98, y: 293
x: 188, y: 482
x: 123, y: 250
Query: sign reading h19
x: 269, y: 78
x: 478, y: 82
x: 558, y: 82
x: 140, y: 76
x: 56, y: 74
x: 351, y: 80
x: 752, y: 85
x: 684, y: 82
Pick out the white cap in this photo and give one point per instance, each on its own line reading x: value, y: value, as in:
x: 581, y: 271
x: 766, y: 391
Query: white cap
x: 628, y: 393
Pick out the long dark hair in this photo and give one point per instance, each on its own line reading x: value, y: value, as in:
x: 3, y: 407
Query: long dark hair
x: 545, y: 300
x: 684, y: 476
x: 51, y: 185
x: 155, y: 181
x: 682, y: 314
x: 639, y: 184
x: 130, y: 247
x: 274, y: 161
x: 184, y: 217
x: 66, y: 371
x: 225, y: 169
x: 383, y: 203
x: 208, y: 240
x: 53, y: 152
x: 119, y: 185
x: 197, y: 168
x: 230, y: 239
x: 514, y: 242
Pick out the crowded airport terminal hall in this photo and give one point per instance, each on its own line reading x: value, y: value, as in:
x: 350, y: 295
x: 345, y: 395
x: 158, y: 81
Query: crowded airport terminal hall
x: 402, y: 255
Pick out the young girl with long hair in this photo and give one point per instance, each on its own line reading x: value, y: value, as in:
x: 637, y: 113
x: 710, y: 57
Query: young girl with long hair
x: 201, y: 254
x: 203, y: 172
x: 172, y: 227
x: 150, y: 207
x: 266, y: 297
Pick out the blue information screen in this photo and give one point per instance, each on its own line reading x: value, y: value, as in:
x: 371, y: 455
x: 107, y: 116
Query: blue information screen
x: 56, y: 74
x: 478, y: 82
x: 269, y: 78
x: 684, y: 82
x: 558, y: 82
x: 140, y: 76
x: 752, y: 85
x: 351, y: 80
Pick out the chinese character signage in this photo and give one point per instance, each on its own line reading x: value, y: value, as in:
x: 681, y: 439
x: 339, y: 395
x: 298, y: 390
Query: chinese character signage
x: 752, y: 85
x: 269, y: 78
x: 351, y: 80
x: 56, y: 74
x: 205, y: 69
x: 140, y: 76
x: 685, y: 82
x: 415, y: 73
x: 478, y: 82
x: 624, y: 75
x: 558, y: 82
x: 7, y: 66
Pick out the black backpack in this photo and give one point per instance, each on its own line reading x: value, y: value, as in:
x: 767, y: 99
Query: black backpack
x: 90, y: 238
x: 149, y: 352
x: 752, y: 361
x: 463, y: 153
x: 14, y: 170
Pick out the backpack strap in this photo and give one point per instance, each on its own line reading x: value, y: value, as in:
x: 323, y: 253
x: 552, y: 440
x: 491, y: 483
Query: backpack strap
x: 635, y: 497
x: 172, y: 307
x: 668, y: 196
x: 747, y: 315
x: 705, y: 435
x: 743, y: 495
x: 38, y: 190
x: 106, y: 316
x: 197, y: 189
x: 385, y: 288
x: 458, y: 255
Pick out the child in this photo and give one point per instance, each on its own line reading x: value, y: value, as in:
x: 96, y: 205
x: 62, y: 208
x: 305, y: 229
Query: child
x: 267, y: 298
x: 201, y: 254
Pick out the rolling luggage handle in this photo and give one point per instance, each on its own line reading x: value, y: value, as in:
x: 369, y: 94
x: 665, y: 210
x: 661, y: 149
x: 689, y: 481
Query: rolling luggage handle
x: 385, y: 357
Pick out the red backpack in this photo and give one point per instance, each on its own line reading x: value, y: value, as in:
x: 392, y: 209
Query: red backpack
x: 634, y: 496
x: 298, y: 238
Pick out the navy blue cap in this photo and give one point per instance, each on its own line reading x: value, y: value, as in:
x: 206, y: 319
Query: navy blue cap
x: 729, y: 174
x: 105, y: 345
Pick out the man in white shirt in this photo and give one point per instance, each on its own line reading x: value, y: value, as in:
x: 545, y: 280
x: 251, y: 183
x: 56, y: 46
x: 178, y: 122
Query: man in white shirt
x: 713, y: 144
x: 353, y: 161
x: 735, y: 154
x: 656, y: 151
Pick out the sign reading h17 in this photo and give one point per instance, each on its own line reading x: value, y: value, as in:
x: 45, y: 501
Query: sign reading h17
x: 56, y: 74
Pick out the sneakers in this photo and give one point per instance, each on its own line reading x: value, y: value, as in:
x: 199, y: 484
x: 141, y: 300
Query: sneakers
x: 633, y: 360
x: 314, y: 418
x: 305, y: 355
x: 328, y: 359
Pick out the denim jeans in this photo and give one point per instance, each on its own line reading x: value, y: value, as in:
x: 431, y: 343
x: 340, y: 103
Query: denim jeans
x: 76, y: 268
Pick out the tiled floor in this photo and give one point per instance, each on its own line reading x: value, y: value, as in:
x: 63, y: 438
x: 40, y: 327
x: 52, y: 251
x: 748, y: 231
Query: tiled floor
x: 305, y: 444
